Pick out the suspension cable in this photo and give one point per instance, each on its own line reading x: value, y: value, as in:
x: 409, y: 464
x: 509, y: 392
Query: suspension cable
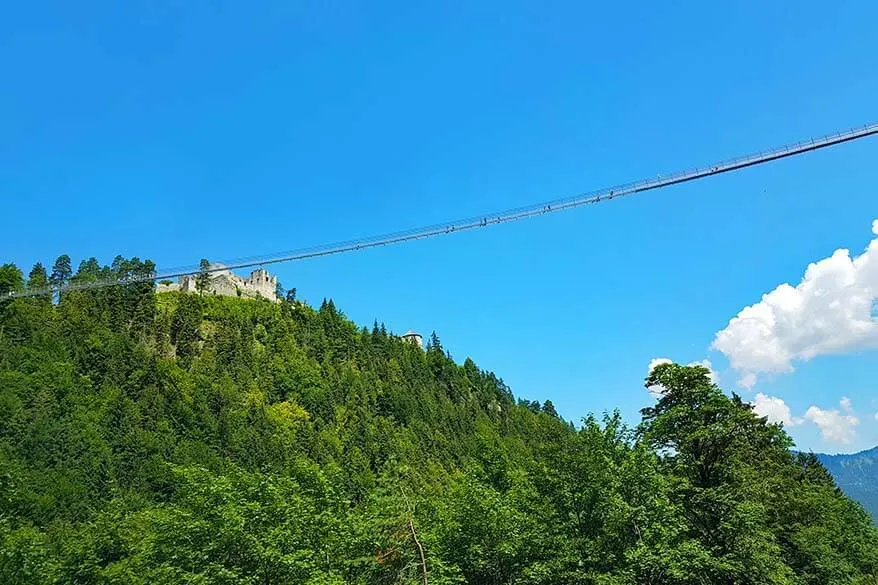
x: 484, y: 220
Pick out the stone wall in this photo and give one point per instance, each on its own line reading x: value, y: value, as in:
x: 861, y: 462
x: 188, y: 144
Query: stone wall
x: 260, y: 284
x: 413, y: 337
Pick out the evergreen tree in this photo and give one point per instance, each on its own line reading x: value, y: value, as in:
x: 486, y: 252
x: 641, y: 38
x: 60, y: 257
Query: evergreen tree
x: 202, y: 280
x: 61, y: 271
x: 38, y: 278
x: 11, y: 278
x: 434, y: 344
x: 89, y: 270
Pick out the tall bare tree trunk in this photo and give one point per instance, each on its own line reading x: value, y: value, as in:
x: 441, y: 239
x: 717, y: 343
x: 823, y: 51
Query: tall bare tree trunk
x: 420, y: 551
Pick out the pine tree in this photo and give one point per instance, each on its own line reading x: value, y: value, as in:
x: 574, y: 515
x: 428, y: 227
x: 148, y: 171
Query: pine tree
x: 88, y: 270
x: 434, y: 344
x: 11, y: 278
x: 38, y: 278
x: 61, y: 271
x: 202, y: 281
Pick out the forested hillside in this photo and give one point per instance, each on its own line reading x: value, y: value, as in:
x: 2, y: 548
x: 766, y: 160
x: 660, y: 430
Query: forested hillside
x: 857, y: 476
x: 174, y: 438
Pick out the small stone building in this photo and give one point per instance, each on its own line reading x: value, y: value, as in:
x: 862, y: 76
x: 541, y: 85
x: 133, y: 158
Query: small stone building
x: 413, y: 337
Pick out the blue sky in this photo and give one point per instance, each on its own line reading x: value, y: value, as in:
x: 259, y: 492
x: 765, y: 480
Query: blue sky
x: 177, y: 131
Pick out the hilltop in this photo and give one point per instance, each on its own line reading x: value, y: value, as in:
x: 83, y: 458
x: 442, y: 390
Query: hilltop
x: 180, y: 438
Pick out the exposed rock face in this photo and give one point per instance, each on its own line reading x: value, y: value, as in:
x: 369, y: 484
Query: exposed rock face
x: 260, y: 284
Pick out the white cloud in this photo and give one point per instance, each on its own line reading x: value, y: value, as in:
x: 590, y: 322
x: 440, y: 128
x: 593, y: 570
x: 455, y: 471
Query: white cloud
x: 775, y: 409
x: 655, y: 362
x: 829, y: 312
x: 834, y: 425
x: 747, y: 381
x: 657, y: 390
x: 876, y: 416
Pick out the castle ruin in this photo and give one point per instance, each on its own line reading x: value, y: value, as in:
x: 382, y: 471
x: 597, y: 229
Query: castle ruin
x: 224, y: 282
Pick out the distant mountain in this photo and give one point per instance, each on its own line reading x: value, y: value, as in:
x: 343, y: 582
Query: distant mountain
x: 857, y: 476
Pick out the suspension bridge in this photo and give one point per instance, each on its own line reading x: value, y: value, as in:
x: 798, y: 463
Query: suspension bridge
x: 487, y: 219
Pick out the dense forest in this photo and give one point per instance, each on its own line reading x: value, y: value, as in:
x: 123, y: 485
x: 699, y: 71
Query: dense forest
x: 185, y: 438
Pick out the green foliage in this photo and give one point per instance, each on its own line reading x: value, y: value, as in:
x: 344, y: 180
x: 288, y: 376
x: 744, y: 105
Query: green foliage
x: 38, y: 277
x: 857, y: 475
x: 176, y: 438
x: 11, y: 278
x: 202, y: 281
x: 61, y: 271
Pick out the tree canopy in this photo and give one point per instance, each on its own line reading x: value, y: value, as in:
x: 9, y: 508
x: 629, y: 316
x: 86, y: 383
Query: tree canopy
x: 180, y: 438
